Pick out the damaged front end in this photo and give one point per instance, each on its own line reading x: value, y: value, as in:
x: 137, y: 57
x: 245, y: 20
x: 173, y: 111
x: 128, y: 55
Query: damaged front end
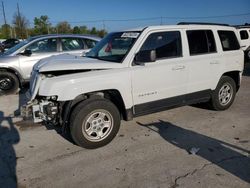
x: 40, y: 110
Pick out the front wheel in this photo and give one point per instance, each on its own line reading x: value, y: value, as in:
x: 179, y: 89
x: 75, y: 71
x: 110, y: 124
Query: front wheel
x: 9, y: 83
x: 94, y: 123
x: 224, y: 94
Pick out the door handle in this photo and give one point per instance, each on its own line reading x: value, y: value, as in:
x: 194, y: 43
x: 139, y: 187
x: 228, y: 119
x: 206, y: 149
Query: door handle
x: 179, y: 67
x: 214, y: 62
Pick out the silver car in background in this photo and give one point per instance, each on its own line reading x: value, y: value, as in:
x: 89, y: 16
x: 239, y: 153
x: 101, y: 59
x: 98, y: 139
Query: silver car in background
x: 16, y: 63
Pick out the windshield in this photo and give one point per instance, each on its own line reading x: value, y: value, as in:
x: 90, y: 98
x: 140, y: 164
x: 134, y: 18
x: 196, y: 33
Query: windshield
x: 114, y: 47
x: 18, y: 46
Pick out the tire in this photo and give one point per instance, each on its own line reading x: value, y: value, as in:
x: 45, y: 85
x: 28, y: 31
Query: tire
x: 94, y: 123
x: 9, y: 83
x: 247, y: 55
x: 224, y: 94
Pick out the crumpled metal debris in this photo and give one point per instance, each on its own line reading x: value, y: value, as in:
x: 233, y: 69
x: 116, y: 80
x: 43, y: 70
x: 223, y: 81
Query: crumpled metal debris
x: 193, y: 150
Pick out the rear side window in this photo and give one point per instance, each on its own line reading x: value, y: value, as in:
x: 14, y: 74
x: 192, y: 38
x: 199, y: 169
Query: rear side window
x: 228, y: 40
x: 166, y: 44
x: 243, y: 35
x: 90, y: 43
x: 69, y: 44
x: 201, y: 42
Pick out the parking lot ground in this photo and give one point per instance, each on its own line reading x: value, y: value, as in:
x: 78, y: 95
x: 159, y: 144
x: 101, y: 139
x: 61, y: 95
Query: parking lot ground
x: 183, y: 147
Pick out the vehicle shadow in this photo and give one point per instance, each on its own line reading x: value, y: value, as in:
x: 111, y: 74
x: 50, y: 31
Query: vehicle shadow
x: 65, y: 133
x: 246, y: 71
x: 21, y: 101
x: 8, y: 137
x: 217, y: 152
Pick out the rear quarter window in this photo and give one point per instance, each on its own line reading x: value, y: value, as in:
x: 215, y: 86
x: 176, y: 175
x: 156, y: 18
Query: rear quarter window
x: 243, y: 35
x: 228, y: 40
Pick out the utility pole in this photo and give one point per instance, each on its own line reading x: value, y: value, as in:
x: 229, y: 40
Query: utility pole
x: 19, y: 20
x: 103, y: 25
x: 4, y: 17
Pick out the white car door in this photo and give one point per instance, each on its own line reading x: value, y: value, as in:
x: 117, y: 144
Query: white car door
x: 163, y: 82
x: 39, y: 49
x: 245, y: 38
x: 204, y: 62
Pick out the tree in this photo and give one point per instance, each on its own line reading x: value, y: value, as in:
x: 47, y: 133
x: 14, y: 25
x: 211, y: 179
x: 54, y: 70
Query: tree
x: 84, y: 29
x: 20, y: 23
x: 63, y: 27
x: 93, y: 31
x: 5, y: 31
x: 76, y: 30
x: 42, y: 25
x: 102, y: 33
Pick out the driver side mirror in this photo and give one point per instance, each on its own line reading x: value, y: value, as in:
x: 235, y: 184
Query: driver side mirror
x: 146, y: 56
x: 27, y: 52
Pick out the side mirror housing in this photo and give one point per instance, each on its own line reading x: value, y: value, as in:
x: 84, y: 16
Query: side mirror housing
x: 27, y: 53
x: 146, y: 56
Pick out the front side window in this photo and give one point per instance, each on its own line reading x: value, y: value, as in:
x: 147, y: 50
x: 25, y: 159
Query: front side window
x: 69, y: 44
x: 228, y: 40
x: 114, y: 47
x: 243, y: 35
x: 166, y: 44
x: 43, y: 46
x: 201, y: 42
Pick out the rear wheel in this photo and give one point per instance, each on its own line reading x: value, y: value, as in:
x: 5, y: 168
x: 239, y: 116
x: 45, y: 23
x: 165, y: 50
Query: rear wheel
x: 224, y: 94
x: 94, y: 123
x: 9, y: 83
x: 248, y: 55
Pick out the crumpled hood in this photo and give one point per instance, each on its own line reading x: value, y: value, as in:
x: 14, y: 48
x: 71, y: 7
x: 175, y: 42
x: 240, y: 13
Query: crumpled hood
x: 66, y: 62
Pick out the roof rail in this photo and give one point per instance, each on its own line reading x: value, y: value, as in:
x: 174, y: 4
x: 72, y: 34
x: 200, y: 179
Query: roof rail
x: 241, y: 26
x: 200, y: 23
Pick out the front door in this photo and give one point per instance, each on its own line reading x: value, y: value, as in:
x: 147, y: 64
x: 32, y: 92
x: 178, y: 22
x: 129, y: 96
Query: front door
x: 164, y: 82
x: 40, y: 49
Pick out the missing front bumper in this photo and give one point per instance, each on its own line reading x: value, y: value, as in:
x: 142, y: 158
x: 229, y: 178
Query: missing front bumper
x: 40, y: 111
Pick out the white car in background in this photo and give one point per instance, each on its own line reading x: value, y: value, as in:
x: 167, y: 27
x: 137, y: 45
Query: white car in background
x: 245, y: 39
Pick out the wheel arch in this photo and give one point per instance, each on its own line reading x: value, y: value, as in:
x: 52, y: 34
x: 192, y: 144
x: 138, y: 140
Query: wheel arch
x: 15, y: 72
x: 112, y: 95
x: 235, y: 75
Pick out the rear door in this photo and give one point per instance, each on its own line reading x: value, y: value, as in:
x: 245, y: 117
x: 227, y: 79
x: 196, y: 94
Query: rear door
x: 72, y: 45
x: 204, y: 62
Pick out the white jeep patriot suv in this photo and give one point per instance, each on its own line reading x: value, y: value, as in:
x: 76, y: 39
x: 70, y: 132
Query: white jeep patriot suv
x: 136, y: 72
x: 245, y: 39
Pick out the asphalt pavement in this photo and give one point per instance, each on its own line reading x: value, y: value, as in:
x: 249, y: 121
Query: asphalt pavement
x: 189, y: 146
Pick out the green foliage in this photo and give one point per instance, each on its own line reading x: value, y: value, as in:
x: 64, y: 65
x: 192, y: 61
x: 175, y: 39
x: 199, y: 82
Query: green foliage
x: 5, y: 31
x: 76, y: 30
x: 43, y: 26
x: 21, y: 24
x: 63, y: 27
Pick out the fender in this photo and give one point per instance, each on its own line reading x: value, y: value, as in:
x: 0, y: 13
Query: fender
x: 68, y: 87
